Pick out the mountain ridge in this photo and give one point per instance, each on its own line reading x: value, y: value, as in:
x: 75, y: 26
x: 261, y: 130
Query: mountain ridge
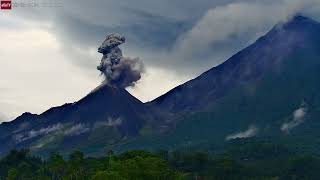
x: 261, y: 85
x: 297, y: 23
x: 113, y: 109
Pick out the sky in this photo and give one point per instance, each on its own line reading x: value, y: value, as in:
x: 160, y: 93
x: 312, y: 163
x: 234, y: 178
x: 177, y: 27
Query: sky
x: 48, y: 53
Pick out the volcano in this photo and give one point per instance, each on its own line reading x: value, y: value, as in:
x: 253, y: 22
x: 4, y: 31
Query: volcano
x: 269, y: 89
x: 106, y: 115
x: 287, y: 44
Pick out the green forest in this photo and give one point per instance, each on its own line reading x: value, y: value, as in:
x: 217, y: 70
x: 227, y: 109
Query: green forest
x: 249, y: 161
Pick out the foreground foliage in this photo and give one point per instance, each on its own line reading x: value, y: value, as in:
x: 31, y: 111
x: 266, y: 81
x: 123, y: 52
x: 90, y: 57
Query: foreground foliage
x: 252, y: 161
x: 131, y: 165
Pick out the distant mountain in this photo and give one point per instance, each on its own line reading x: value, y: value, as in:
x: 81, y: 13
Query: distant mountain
x: 267, y: 56
x: 106, y: 115
x: 269, y: 89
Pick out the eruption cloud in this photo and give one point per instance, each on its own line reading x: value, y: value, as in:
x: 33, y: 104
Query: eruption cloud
x: 119, y: 71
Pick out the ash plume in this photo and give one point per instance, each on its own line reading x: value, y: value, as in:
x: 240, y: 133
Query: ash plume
x: 119, y: 71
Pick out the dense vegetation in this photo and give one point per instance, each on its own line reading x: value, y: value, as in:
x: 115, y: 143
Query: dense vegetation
x: 246, y: 161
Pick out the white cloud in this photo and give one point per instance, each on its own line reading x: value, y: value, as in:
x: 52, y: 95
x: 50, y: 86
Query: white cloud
x: 43, y: 142
x: 155, y: 82
x: 55, y: 129
x: 35, y: 75
x: 39, y: 132
x: 298, y: 117
x: 110, y: 122
x: 243, y: 20
x: 250, y: 132
x: 3, y: 118
x: 76, y: 130
x: 22, y: 127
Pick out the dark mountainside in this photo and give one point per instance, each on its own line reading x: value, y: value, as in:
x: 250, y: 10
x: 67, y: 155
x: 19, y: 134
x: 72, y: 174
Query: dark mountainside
x: 269, y: 89
x: 249, y: 65
x: 107, y: 114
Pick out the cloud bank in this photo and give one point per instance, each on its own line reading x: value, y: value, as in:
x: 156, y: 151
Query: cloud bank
x: 36, y: 133
x: 62, y: 129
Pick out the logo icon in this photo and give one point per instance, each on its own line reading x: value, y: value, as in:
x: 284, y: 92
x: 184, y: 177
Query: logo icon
x: 6, y: 5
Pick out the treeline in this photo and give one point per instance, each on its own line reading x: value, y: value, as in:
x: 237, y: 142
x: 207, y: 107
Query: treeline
x: 247, y: 162
x: 20, y: 165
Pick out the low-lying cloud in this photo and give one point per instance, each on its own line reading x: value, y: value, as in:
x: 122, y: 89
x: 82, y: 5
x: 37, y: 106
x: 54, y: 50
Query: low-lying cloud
x: 63, y: 129
x: 76, y: 130
x: 36, y: 133
x: 43, y: 142
x: 110, y: 122
x: 298, y: 117
x: 21, y: 127
x: 250, y: 132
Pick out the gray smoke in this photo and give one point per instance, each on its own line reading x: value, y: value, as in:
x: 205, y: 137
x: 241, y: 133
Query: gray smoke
x: 119, y: 71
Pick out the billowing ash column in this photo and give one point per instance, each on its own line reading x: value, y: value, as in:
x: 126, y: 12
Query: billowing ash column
x: 119, y: 71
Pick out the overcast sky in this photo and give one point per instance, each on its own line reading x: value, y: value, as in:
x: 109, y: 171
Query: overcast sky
x: 48, y: 55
